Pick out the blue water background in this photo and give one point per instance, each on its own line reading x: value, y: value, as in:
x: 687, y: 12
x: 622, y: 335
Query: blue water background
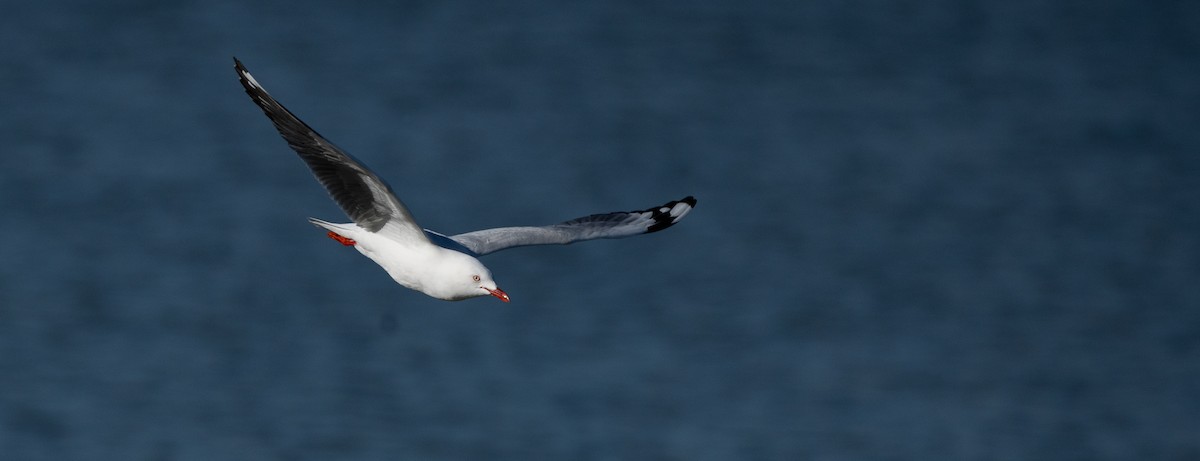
x: 926, y: 230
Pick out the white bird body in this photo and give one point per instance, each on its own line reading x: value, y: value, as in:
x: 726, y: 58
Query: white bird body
x: 416, y: 264
x: 444, y: 267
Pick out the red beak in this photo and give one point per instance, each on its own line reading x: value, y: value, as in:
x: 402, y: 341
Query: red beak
x: 499, y: 294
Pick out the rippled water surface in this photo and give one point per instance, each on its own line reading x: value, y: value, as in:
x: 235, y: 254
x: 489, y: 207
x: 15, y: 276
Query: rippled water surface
x: 926, y: 230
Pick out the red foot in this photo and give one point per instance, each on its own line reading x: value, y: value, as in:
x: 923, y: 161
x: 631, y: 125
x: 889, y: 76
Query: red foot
x: 342, y: 240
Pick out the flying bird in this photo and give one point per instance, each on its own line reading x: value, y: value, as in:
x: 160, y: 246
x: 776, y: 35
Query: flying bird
x: 442, y: 266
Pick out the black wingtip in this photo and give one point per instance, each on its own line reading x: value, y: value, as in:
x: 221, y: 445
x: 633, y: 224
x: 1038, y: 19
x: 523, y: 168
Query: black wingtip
x: 237, y: 65
x: 670, y: 213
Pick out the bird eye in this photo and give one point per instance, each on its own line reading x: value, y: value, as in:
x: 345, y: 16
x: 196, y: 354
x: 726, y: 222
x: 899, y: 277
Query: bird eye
x: 475, y: 278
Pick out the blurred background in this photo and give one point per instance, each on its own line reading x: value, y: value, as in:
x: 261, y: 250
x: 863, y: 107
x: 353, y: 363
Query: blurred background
x: 925, y: 230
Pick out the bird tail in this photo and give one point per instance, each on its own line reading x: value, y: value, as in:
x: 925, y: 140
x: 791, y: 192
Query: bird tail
x: 331, y: 226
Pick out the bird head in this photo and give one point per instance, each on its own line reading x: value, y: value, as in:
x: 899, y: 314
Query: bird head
x: 463, y: 277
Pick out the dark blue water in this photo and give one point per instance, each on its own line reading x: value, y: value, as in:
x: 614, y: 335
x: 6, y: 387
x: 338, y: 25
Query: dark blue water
x: 926, y: 230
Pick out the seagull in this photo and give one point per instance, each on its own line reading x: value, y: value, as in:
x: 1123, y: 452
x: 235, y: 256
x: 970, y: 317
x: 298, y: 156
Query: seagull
x: 444, y: 267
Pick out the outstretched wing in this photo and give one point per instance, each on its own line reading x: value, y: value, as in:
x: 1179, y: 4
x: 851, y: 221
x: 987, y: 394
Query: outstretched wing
x: 365, y: 198
x: 604, y: 225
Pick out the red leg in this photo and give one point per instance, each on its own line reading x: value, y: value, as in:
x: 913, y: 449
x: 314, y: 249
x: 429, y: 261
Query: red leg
x: 343, y: 240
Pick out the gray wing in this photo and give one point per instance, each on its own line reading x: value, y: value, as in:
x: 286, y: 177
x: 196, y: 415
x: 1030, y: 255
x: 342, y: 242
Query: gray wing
x: 365, y: 198
x: 597, y: 226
